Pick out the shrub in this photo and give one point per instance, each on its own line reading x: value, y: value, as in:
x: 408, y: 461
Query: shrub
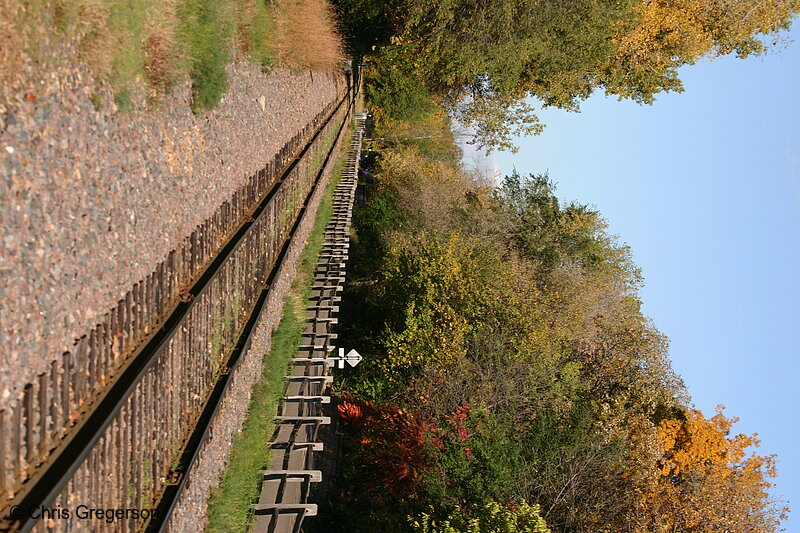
x: 489, y: 518
x: 401, y: 95
x: 395, y: 444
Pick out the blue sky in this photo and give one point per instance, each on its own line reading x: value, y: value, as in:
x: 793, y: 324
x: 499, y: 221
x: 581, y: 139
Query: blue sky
x: 705, y: 187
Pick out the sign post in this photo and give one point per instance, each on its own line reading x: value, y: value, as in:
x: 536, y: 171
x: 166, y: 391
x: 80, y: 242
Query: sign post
x: 352, y: 358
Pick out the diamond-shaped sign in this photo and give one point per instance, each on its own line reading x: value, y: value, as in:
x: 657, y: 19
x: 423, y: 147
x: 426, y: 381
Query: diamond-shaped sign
x: 353, y: 357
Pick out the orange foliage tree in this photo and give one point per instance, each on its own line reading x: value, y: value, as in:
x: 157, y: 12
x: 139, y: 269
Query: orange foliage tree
x: 708, y: 480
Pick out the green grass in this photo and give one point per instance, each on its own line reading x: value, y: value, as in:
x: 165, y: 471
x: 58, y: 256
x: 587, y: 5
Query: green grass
x: 128, y: 20
x: 229, y: 505
x: 124, y: 101
x: 206, y: 30
x: 256, y: 35
x: 97, y: 102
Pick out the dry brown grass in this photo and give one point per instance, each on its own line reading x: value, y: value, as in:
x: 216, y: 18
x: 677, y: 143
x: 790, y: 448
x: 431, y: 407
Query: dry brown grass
x: 164, y: 56
x: 89, y: 23
x: 308, y: 37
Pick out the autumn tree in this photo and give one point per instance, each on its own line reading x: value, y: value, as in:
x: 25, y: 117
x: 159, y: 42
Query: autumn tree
x: 484, y: 60
x: 708, y: 480
x: 672, y: 33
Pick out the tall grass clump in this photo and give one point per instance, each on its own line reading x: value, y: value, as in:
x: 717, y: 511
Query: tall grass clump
x: 308, y: 37
x: 255, y: 31
x: 207, y: 31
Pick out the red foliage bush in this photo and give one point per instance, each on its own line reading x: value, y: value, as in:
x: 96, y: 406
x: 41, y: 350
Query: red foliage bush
x: 396, y: 445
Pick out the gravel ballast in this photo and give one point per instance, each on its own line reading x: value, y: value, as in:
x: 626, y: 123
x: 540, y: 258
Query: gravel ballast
x: 94, y: 198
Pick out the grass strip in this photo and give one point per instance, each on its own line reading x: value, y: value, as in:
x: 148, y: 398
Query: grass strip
x: 229, y: 505
x: 256, y: 32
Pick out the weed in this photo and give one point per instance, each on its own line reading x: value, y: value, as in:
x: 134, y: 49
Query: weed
x: 124, y: 101
x: 255, y: 27
x: 97, y: 102
x: 156, y: 65
x: 206, y: 32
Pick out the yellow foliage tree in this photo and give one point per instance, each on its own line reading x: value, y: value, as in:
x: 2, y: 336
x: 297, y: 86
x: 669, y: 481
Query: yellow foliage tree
x: 671, y: 33
x: 708, y: 481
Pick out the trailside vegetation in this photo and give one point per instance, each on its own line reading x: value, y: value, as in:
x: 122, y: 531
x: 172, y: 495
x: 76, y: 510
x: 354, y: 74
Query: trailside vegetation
x: 510, y: 381
x: 157, y: 43
x: 482, y: 59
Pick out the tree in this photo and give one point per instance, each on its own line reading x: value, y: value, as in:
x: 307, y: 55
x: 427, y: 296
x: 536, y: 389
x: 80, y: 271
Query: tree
x: 672, y: 33
x: 552, y: 235
x: 707, y: 481
x: 484, y: 59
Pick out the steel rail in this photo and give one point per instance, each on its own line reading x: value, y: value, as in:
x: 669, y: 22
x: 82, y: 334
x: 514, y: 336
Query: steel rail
x: 52, y: 477
x: 169, y: 499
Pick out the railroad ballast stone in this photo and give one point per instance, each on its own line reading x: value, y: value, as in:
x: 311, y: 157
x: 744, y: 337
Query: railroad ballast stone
x: 93, y: 200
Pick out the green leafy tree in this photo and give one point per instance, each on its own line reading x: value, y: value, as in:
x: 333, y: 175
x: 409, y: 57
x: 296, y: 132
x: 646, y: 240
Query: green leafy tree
x: 484, y: 58
x: 552, y: 235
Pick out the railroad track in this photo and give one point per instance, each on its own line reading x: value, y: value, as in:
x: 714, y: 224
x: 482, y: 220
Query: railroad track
x: 284, y: 501
x: 121, y: 422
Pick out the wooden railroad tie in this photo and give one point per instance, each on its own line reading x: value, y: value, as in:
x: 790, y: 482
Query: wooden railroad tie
x: 322, y: 335
x: 315, y: 476
x: 320, y: 399
x: 315, y: 347
x: 322, y: 320
x: 313, y: 446
x: 321, y: 420
x: 333, y: 299
x: 329, y: 308
x: 304, y: 509
x: 336, y: 288
x: 313, y: 361
x: 323, y: 379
